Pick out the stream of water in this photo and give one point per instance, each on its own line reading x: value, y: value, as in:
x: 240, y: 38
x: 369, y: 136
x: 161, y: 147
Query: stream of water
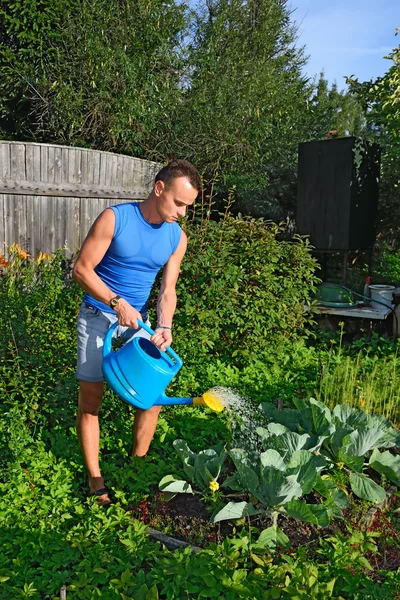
x: 244, y: 418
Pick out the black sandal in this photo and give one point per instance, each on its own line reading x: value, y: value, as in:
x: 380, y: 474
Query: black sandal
x: 102, y: 492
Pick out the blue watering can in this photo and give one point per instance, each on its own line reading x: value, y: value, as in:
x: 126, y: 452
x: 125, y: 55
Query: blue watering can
x: 139, y: 373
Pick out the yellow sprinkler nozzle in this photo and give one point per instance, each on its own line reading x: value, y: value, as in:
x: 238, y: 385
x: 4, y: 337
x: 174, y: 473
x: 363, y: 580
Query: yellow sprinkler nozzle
x: 211, y: 400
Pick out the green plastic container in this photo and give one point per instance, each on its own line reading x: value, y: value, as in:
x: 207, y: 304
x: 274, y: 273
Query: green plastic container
x: 331, y: 295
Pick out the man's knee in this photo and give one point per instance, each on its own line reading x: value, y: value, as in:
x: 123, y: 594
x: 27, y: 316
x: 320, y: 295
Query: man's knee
x: 90, y: 397
x: 154, y: 411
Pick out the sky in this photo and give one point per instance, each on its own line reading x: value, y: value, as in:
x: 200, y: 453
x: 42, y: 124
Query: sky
x: 347, y: 37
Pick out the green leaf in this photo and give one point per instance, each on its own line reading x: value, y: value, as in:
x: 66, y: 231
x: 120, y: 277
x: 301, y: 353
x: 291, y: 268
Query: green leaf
x: 247, y: 475
x: 233, y: 483
x: 235, y: 510
x: 273, y: 537
x: 322, y: 418
x: 187, y: 457
x: 306, y: 466
x: 315, y: 442
x: 263, y: 433
x: 336, y: 498
x: 352, y: 417
x: 310, y: 513
x: 171, y: 484
x: 386, y: 464
x: 333, y: 504
x: 277, y: 428
x: 335, y: 441
x: 360, y: 441
x: 389, y: 439
x: 353, y: 462
x: 272, y: 458
x: 365, y: 488
x: 286, y: 443
x: 276, y: 489
x: 152, y: 594
x: 287, y: 417
x: 374, y: 420
x: 305, y: 419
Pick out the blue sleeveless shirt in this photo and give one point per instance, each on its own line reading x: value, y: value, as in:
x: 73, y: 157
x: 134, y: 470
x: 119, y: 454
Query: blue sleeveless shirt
x: 137, y: 252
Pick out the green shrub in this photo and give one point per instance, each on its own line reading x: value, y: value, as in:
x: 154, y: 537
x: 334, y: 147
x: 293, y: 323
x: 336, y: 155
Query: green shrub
x: 241, y: 291
x: 388, y: 264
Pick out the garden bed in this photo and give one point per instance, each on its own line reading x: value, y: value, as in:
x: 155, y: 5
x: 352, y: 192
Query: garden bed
x: 187, y: 519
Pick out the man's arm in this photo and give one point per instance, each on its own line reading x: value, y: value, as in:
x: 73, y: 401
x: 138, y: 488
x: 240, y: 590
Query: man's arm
x: 93, y: 249
x: 166, y: 303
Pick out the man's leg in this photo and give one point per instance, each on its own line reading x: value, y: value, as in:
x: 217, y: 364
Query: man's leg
x: 87, y: 426
x: 144, y: 426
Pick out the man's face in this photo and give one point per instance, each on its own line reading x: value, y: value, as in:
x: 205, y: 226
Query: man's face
x: 173, y: 200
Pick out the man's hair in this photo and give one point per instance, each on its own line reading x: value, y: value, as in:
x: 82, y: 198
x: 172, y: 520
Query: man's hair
x: 180, y: 168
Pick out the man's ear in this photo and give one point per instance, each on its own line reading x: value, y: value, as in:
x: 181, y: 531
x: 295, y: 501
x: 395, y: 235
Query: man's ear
x: 159, y: 187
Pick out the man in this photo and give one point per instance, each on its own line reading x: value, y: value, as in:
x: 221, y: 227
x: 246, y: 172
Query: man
x: 119, y: 260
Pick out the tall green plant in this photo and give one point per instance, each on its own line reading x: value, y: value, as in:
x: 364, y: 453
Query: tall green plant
x: 241, y: 290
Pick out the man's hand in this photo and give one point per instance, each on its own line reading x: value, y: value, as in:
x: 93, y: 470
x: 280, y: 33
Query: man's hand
x: 162, y: 338
x: 127, y: 315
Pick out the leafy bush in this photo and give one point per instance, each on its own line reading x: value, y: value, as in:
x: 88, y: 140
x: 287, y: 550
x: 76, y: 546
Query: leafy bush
x: 242, y: 291
x: 388, y: 264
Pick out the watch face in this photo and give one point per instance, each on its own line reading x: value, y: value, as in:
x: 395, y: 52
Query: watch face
x: 114, y: 301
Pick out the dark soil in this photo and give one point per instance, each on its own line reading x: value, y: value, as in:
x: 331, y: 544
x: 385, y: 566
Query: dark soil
x: 187, y: 518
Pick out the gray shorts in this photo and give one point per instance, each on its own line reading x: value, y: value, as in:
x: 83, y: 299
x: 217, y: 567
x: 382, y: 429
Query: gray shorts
x: 92, y: 327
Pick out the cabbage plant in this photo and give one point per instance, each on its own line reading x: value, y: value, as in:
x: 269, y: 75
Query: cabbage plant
x: 277, y: 483
x: 202, y: 469
x: 347, y: 437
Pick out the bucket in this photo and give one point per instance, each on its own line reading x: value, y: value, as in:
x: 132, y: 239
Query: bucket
x: 381, y: 293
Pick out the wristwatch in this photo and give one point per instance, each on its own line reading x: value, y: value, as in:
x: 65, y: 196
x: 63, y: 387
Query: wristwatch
x: 114, y: 301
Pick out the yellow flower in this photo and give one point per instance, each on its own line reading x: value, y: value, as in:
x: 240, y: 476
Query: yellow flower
x: 340, y: 465
x: 42, y: 256
x: 214, y: 486
x: 21, y: 253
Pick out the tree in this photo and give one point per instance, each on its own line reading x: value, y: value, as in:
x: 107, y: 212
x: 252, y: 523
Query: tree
x: 245, y: 103
x: 334, y: 110
x: 381, y: 102
x: 103, y: 73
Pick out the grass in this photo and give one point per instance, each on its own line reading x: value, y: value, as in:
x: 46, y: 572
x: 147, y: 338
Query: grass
x: 366, y: 382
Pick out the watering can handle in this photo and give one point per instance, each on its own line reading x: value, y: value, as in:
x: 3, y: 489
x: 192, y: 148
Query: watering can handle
x: 169, y: 350
x: 107, y: 342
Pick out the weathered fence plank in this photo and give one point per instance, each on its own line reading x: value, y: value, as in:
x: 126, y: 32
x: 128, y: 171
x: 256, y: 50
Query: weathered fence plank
x: 76, y: 190
x: 50, y: 195
x: 5, y: 166
x: 17, y: 159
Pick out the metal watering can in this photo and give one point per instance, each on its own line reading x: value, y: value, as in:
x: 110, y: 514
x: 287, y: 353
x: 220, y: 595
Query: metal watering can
x: 139, y: 373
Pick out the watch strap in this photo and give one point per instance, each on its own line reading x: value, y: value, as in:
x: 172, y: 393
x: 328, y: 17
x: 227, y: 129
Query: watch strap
x: 114, y: 301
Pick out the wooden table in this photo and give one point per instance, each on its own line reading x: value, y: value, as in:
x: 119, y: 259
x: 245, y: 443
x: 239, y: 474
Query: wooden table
x: 359, y: 311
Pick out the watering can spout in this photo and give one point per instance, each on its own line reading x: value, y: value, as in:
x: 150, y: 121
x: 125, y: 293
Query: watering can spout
x: 164, y: 400
x: 208, y: 399
x: 211, y: 400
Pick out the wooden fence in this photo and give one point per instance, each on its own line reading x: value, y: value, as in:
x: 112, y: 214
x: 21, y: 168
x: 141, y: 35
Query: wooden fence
x: 50, y: 195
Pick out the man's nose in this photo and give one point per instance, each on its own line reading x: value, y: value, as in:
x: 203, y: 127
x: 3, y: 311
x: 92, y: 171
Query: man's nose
x: 182, y: 211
